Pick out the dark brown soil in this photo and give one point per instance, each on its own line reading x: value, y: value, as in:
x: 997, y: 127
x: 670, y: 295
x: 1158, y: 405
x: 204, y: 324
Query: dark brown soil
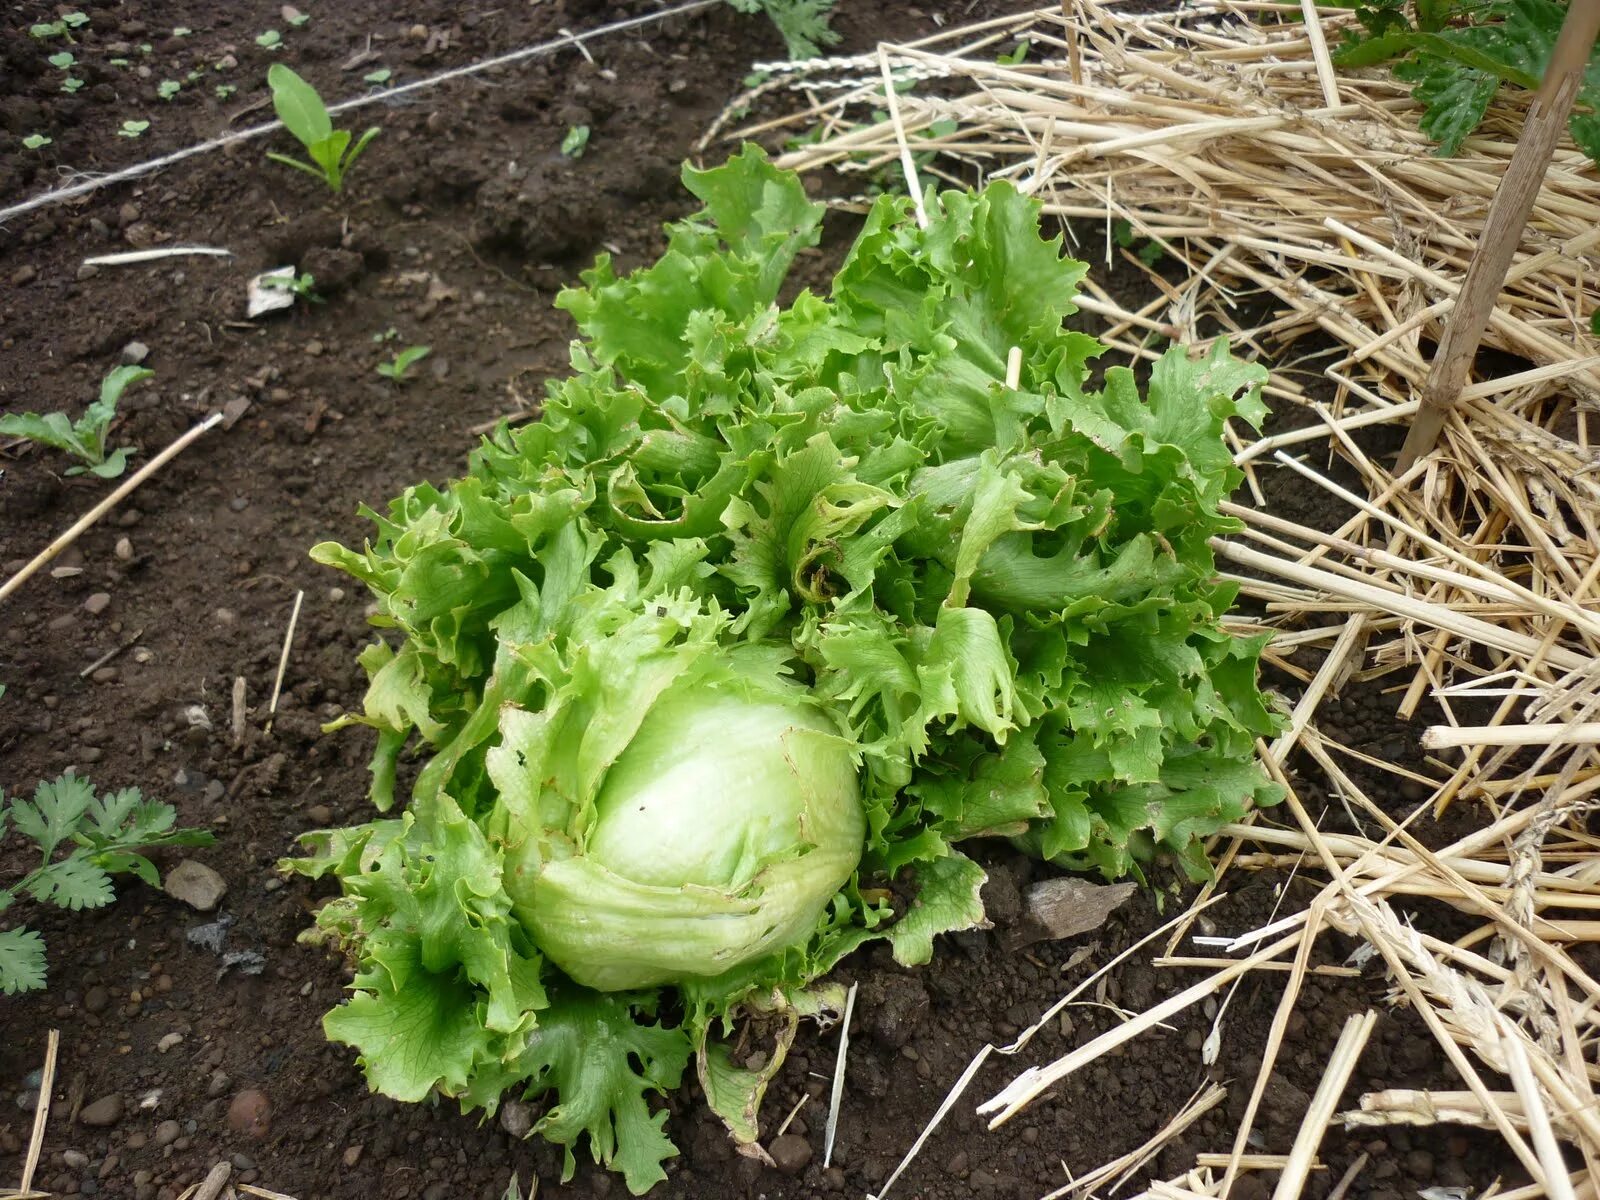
x: 455, y: 232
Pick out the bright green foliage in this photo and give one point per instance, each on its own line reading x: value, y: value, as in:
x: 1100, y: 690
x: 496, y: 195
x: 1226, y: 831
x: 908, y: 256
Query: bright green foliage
x: 399, y: 367
x: 803, y: 23
x: 102, y: 836
x: 575, y: 142
x: 84, y: 438
x: 303, y: 114
x: 999, y: 599
x: 1457, y: 53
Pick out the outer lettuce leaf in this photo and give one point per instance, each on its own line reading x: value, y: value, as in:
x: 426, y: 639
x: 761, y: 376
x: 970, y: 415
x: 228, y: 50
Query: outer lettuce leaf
x: 1003, y: 597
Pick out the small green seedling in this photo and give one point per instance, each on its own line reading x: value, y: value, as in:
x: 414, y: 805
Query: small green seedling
x: 102, y: 836
x: 301, y: 285
x: 62, y: 27
x: 224, y: 90
x: 402, y: 362
x: 180, y: 31
x: 294, y: 16
x: 577, y: 139
x: 380, y: 77
x: 270, y: 40
x: 62, y: 61
x: 133, y: 129
x: 388, y: 335
x: 36, y: 141
x: 85, y: 438
x: 71, y: 84
x: 303, y: 114
x: 168, y: 88
x: 1148, y: 252
x: 1017, y: 56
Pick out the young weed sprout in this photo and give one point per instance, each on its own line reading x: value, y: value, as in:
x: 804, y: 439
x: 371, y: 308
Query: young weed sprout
x: 398, y: 367
x: 303, y: 114
x: 84, y: 439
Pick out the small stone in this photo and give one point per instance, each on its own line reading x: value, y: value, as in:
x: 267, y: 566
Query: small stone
x: 103, y: 1113
x: 218, y: 1084
x: 128, y: 213
x: 196, y: 884
x: 224, y: 616
x: 106, y: 675
x: 314, y: 347
x: 516, y: 1118
x: 168, y: 1041
x: 87, y: 271
x: 166, y: 1133
x: 24, y: 275
x: 352, y: 1155
x: 319, y: 815
x: 124, y: 549
x: 96, y: 999
x: 135, y: 353
x: 418, y: 33
x: 76, y: 1159
x: 790, y: 1153
x: 250, y: 1113
x: 97, y: 603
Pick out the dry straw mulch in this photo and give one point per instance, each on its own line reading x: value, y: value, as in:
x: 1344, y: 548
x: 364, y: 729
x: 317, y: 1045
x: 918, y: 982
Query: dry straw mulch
x: 1317, y: 230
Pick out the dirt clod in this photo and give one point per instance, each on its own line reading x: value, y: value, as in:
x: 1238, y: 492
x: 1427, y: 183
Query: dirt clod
x: 790, y: 1153
x: 250, y: 1114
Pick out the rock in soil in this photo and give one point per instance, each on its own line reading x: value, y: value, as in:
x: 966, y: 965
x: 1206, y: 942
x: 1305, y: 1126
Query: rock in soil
x: 250, y: 1113
x: 196, y: 884
x: 790, y: 1153
x: 103, y: 1113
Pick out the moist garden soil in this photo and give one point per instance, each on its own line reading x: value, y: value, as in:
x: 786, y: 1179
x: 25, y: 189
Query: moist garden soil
x: 120, y: 662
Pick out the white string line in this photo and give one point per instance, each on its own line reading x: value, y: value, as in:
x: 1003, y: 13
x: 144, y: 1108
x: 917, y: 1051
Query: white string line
x: 255, y: 131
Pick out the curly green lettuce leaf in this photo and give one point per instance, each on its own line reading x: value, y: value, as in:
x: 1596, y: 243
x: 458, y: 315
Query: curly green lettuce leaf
x: 998, y: 591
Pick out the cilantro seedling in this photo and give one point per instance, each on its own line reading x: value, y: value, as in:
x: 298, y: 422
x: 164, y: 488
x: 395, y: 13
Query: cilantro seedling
x: 62, y: 61
x: 303, y: 114
x: 295, y: 17
x: 397, y: 367
x: 576, y: 141
x: 36, y: 141
x: 85, y: 438
x: 102, y: 836
x: 133, y: 129
x: 168, y: 88
x: 803, y: 23
x: 388, y: 335
x: 71, y: 84
x: 381, y: 76
x: 270, y: 40
x: 224, y: 90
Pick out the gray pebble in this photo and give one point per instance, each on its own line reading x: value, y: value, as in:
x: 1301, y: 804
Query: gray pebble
x: 790, y: 1153
x: 135, y: 353
x: 166, y: 1133
x: 196, y: 884
x: 76, y: 1159
x: 103, y: 1113
x: 516, y: 1118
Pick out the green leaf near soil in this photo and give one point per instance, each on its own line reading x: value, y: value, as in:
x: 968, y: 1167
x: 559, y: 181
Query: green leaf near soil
x: 1457, y: 54
x: 831, y: 526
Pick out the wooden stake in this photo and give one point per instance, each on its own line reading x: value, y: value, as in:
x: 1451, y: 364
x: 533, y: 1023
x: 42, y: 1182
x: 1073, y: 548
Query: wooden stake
x: 1502, y: 233
x: 110, y: 502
